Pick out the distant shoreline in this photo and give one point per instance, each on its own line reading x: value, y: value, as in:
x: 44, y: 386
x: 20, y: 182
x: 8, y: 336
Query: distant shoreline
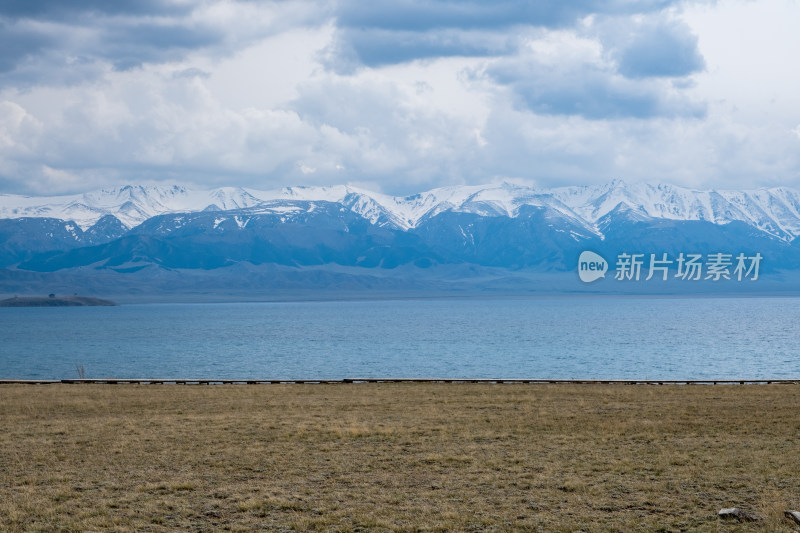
x: 54, y: 301
x: 311, y: 296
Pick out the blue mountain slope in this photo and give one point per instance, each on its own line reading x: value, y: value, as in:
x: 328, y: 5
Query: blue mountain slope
x: 536, y: 238
x: 492, y: 242
x: 22, y: 238
x: 327, y: 235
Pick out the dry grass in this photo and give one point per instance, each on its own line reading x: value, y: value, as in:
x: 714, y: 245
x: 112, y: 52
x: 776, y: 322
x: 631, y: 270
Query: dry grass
x: 396, y: 457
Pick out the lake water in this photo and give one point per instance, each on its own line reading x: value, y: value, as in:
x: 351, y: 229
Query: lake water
x: 560, y: 338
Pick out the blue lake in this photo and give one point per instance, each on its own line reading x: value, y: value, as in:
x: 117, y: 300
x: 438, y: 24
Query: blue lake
x: 559, y: 338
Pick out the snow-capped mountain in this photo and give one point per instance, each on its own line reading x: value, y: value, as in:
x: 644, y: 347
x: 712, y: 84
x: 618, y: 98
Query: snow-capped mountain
x: 142, y: 232
x: 774, y: 211
x: 131, y: 205
x: 151, y: 239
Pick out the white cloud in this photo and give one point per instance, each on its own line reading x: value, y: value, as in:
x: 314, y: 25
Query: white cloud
x: 266, y: 73
x: 244, y: 96
x: 560, y: 73
x: 752, y: 49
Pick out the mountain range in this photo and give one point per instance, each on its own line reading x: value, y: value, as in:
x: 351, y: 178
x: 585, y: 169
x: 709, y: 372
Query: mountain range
x: 348, y: 236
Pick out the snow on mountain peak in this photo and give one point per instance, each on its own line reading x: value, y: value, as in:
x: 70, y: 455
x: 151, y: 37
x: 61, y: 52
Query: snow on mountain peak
x: 775, y: 211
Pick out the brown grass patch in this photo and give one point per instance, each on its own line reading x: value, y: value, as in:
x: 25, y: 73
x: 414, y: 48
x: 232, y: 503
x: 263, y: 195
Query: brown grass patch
x: 396, y: 457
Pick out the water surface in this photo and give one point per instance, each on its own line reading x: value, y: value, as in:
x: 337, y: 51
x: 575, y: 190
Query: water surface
x: 560, y: 338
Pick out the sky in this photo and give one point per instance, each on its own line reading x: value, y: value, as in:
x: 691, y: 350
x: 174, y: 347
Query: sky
x: 397, y: 96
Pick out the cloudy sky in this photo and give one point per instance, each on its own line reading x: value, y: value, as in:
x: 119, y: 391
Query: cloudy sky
x: 398, y: 96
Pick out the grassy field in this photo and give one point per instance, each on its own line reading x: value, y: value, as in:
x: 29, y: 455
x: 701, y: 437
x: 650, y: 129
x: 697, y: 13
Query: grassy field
x: 397, y: 457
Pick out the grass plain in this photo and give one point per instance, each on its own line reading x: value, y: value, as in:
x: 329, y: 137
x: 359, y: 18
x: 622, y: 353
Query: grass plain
x: 397, y: 457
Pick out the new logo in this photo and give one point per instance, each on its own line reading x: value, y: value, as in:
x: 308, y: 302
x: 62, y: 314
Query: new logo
x: 591, y: 266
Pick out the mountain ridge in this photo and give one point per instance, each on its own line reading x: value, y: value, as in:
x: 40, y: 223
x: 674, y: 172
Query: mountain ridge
x: 503, y: 237
x: 774, y: 211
